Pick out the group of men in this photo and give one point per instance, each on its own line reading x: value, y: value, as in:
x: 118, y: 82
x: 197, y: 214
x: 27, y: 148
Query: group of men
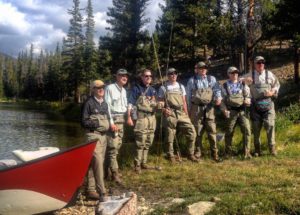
x: 190, y: 110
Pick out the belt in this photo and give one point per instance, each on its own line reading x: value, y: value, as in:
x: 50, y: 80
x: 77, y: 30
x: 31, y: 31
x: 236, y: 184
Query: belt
x: 96, y: 132
x: 236, y: 108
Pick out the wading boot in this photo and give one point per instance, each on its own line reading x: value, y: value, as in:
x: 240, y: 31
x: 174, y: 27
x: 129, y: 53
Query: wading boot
x: 116, y: 177
x: 172, y: 159
x: 147, y: 167
x: 137, y: 169
x: 93, y: 195
x: 103, y: 197
x: 193, y: 158
x: 273, y: 150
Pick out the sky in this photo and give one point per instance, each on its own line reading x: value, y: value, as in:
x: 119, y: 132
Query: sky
x: 43, y: 23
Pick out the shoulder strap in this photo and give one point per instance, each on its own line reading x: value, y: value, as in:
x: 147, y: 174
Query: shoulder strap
x: 146, y: 90
x: 266, y: 76
x: 253, y: 77
x: 195, y: 82
x: 209, y: 80
x: 225, y: 85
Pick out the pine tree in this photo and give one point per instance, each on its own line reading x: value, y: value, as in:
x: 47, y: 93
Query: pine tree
x: 127, y: 19
x: 72, y: 54
x: 90, y: 54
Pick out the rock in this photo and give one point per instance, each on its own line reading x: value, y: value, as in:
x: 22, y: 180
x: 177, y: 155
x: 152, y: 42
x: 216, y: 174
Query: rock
x: 215, y: 199
x: 177, y: 201
x: 200, y: 208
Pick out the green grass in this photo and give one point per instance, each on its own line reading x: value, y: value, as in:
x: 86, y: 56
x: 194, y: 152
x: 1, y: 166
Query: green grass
x: 264, y: 185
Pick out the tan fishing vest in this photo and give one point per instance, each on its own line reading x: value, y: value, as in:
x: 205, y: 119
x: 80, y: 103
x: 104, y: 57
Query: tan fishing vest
x: 202, y: 96
x: 103, y: 122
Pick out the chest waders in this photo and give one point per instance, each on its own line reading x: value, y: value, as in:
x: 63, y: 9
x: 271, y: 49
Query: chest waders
x: 144, y: 104
x: 202, y: 96
x: 261, y: 103
x: 103, y: 122
x: 174, y: 101
x: 234, y: 100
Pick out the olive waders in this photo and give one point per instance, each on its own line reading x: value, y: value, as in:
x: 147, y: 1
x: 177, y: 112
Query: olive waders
x: 144, y: 130
x: 178, y: 119
x: 203, y: 117
x: 96, y: 172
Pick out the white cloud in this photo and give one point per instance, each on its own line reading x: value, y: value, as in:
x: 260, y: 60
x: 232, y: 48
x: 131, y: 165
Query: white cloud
x: 43, y: 23
x: 12, y: 20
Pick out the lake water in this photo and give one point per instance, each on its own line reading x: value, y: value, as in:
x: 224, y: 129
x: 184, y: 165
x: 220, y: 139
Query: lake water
x: 27, y: 129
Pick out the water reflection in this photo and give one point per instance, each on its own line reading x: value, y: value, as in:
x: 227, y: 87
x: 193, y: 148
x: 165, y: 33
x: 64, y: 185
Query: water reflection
x: 22, y: 128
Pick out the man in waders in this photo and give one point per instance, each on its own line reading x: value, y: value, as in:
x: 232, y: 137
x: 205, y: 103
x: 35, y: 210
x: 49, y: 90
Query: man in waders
x: 141, y: 114
x: 203, y: 92
x: 236, y: 97
x: 264, y: 87
x: 95, y: 119
x: 116, y: 98
x: 175, y: 113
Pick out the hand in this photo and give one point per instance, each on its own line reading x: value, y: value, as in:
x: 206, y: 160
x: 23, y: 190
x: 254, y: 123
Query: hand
x: 269, y: 93
x: 226, y: 113
x: 218, y: 102
x: 114, y: 128
x: 167, y: 112
x: 129, y: 121
x: 247, y: 80
x: 247, y: 102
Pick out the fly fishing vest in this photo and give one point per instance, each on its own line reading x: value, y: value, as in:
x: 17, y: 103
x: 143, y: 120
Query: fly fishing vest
x: 174, y: 99
x: 202, y: 96
x: 234, y: 100
x: 261, y: 103
x: 103, y: 122
x: 145, y: 104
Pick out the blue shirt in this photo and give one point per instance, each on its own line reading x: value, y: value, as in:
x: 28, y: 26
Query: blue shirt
x: 236, y: 88
x: 202, y: 82
x: 138, y: 90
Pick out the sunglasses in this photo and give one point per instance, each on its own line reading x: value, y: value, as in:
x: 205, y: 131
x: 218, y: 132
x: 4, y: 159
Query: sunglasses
x: 172, y: 73
x: 99, y: 88
x: 260, y: 62
x: 148, y: 76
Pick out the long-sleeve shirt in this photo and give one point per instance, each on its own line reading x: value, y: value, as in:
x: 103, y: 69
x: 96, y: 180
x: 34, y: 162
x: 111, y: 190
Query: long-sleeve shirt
x: 260, y: 78
x: 93, y: 106
x: 116, y: 98
x: 138, y: 90
x: 202, y: 83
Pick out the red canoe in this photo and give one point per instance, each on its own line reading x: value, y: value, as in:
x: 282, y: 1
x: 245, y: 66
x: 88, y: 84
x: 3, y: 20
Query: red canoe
x: 44, y: 184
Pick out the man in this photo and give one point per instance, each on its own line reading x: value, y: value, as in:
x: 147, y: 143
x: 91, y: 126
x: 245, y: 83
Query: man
x: 264, y: 87
x: 116, y: 98
x: 142, y: 99
x: 203, y: 92
x: 236, y: 97
x: 95, y: 119
x: 175, y: 114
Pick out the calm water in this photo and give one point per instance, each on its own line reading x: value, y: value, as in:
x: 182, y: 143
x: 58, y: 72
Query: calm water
x: 22, y: 128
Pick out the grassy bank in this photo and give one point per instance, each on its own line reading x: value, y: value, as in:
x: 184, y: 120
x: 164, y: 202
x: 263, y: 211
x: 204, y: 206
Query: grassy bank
x: 264, y: 185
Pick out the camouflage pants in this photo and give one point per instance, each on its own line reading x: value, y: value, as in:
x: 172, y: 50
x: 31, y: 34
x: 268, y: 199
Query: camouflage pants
x: 203, y: 119
x: 266, y: 119
x: 179, y: 120
x: 96, y: 170
x: 237, y: 117
x: 114, y: 144
x: 144, y: 134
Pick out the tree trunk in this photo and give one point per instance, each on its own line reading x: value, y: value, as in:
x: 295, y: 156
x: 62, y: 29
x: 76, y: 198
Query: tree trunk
x: 296, y: 64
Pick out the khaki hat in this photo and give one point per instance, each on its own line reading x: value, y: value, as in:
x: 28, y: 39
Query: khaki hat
x: 232, y: 69
x: 171, y: 70
x: 97, y: 83
x: 122, y: 72
x: 259, y: 58
x: 201, y: 64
